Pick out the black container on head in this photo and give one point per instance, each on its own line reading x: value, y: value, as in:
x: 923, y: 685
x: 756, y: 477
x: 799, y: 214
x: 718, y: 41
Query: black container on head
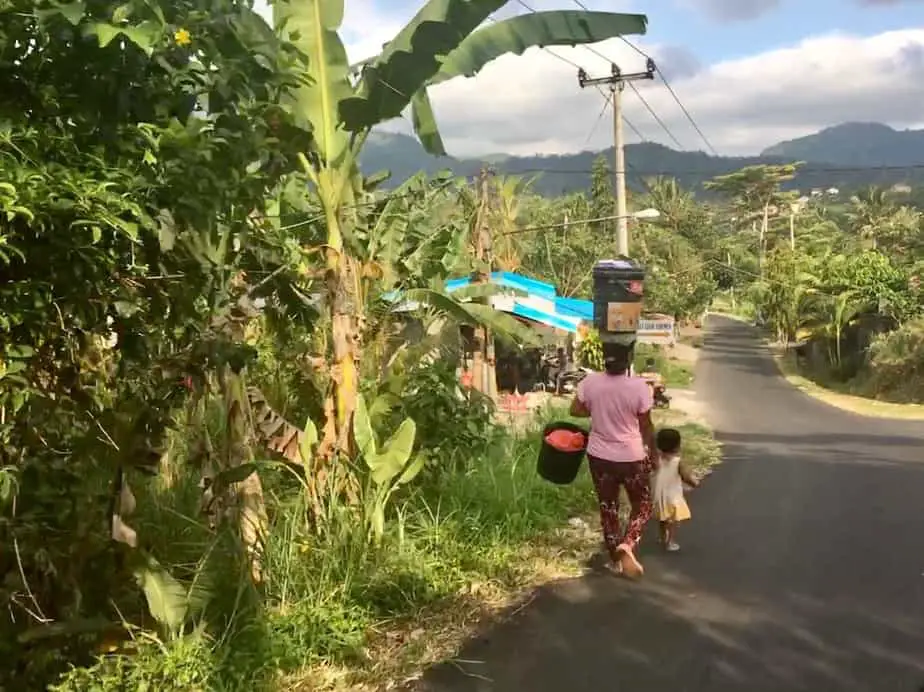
x: 618, y: 289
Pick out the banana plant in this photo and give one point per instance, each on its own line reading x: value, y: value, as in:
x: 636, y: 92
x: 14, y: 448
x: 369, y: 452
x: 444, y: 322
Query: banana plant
x: 444, y: 40
x: 390, y: 466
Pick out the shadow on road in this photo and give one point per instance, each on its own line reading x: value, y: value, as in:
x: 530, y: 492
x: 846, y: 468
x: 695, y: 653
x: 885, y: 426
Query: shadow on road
x: 688, y: 640
x: 801, y: 570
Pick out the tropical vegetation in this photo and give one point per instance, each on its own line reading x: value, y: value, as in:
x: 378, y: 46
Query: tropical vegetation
x: 234, y: 444
x: 225, y: 456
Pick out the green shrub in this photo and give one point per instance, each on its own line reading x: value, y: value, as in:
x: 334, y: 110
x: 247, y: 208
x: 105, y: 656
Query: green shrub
x: 896, y: 364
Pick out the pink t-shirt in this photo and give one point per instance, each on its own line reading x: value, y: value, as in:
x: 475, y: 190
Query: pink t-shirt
x: 615, y: 403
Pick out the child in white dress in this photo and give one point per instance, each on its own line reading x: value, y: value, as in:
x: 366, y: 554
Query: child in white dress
x: 670, y: 506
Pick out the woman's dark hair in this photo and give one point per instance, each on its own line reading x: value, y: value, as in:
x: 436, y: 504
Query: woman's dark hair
x: 667, y: 440
x: 616, y: 358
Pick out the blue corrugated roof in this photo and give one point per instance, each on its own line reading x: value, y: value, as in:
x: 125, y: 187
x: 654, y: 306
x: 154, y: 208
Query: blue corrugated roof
x: 533, y: 287
x: 567, y: 311
x: 575, y: 307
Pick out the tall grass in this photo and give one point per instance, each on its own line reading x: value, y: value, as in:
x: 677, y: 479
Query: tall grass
x: 327, y: 593
x: 463, y: 536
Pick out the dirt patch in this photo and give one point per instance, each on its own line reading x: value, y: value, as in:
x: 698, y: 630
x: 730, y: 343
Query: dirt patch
x: 683, y: 352
x: 685, y: 407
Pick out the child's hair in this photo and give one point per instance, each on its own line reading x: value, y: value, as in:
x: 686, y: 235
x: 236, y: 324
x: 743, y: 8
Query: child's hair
x: 668, y: 440
x: 650, y: 364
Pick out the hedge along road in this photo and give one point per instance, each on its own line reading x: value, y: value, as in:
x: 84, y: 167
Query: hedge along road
x: 802, y: 569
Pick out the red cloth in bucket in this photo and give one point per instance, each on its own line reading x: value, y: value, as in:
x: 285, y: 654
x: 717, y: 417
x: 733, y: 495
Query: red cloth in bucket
x: 566, y: 440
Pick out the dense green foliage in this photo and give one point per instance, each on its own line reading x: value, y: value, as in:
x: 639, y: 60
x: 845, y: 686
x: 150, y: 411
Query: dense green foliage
x: 189, y: 262
x: 844, y: 281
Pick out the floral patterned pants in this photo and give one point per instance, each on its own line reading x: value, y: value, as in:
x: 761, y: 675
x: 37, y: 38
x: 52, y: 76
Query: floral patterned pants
x: 609, y: 477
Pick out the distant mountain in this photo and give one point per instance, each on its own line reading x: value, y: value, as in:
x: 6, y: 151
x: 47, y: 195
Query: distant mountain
x: 862, y: 148
x: 855, y: 144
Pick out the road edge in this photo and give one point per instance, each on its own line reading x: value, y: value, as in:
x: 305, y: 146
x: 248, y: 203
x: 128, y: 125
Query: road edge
x: 851, y: 403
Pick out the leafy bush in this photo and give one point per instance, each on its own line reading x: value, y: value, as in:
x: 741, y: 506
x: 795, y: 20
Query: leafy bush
x: 326, y: 593
x: 590, y: 351
x: 452, y: 424
x: 896, y: 363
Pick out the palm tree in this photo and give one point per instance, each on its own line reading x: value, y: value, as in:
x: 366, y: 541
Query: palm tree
x: 871, y: 209
x: 509, y: 191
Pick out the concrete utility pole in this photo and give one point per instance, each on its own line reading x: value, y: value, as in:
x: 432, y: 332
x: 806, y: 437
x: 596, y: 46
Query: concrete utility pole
x: 484, y: 377
x: 617, y: 82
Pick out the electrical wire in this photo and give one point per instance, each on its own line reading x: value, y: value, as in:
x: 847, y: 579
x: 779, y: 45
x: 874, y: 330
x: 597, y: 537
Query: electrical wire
x: 562, y: 224
x: 655, y: 115
x: 637, y: 93
x: 694, y: 171
x: 587, y: 171
x: 670, y: 89
x: 644, y: 101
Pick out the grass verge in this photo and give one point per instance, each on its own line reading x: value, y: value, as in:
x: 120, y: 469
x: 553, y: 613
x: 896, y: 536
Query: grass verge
x: 676, y: 373
x: 861, y: 405
x: 338, y: 613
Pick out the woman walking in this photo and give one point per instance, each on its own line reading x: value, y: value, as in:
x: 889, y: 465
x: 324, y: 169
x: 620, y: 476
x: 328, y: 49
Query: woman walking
x: 621, y: 450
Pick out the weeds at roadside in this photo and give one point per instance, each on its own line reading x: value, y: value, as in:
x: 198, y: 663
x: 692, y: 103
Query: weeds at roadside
x: 337, y: 613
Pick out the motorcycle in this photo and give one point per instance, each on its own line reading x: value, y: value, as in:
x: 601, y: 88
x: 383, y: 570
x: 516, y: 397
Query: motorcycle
x: 659, y: 392
x: 661, y: 397
x: 554, y: 378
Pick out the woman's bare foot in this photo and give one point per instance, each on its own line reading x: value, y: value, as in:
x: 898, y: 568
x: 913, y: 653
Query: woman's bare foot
x: 615, y: 568
x: 631, y: 567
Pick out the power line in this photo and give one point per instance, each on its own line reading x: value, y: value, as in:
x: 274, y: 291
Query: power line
x: 700, y: 171
x: 563, y: 224
x: 637, y: 93
x: 634, y: 88
x: 670, y: 89
x: 654, y: 114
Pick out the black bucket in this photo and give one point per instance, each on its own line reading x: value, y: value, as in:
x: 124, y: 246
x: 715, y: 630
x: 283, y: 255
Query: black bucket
x: 555, y: 465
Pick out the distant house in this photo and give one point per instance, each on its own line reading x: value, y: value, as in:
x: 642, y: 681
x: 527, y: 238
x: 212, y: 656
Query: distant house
x: 901, y: 189
x: 816, y: 192
x: 833, y: 191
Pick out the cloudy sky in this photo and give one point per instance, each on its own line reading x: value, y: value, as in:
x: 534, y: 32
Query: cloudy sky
x: 750, y: 72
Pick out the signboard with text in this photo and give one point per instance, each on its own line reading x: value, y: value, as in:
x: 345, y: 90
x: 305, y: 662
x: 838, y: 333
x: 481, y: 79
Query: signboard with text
x: 657, y: 329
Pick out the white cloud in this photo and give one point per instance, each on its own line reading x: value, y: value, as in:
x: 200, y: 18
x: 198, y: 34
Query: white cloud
x: 532, y: 103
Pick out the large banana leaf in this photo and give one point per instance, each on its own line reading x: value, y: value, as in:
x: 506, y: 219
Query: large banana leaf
x: 412, y: 58
x: 424, y: 121
x: 312, y: 26
x: 504, y: 326
x: 515, y: 35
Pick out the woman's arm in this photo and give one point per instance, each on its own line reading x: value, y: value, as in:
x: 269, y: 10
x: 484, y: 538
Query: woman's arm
x: 646, y: 428
x: 579, y: 408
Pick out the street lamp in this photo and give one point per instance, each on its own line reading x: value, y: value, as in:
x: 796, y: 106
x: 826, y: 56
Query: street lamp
x: 645, y: 214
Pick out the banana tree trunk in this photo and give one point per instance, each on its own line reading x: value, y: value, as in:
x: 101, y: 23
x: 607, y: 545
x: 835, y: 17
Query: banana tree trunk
x: 249, y: 504
x: 342, y: 302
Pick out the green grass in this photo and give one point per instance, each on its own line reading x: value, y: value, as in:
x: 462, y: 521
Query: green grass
x: 337, y: 612
x: 675, y: 373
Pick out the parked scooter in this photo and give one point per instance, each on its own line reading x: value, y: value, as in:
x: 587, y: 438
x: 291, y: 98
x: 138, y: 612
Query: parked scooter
x: 559, y: 376
x: 661, y: 398
x: 658, y: 389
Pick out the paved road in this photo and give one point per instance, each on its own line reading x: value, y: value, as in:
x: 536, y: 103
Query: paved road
x: 803, y: 567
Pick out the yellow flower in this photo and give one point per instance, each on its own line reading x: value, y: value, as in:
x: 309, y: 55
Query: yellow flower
x: 182, y: 37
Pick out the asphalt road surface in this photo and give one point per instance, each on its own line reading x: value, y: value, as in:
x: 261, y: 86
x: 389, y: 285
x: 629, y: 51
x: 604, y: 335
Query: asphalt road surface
x: 802, y: 568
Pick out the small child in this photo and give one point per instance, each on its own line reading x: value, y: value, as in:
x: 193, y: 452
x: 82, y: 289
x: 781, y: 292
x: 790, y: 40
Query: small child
x: 667, y: 487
